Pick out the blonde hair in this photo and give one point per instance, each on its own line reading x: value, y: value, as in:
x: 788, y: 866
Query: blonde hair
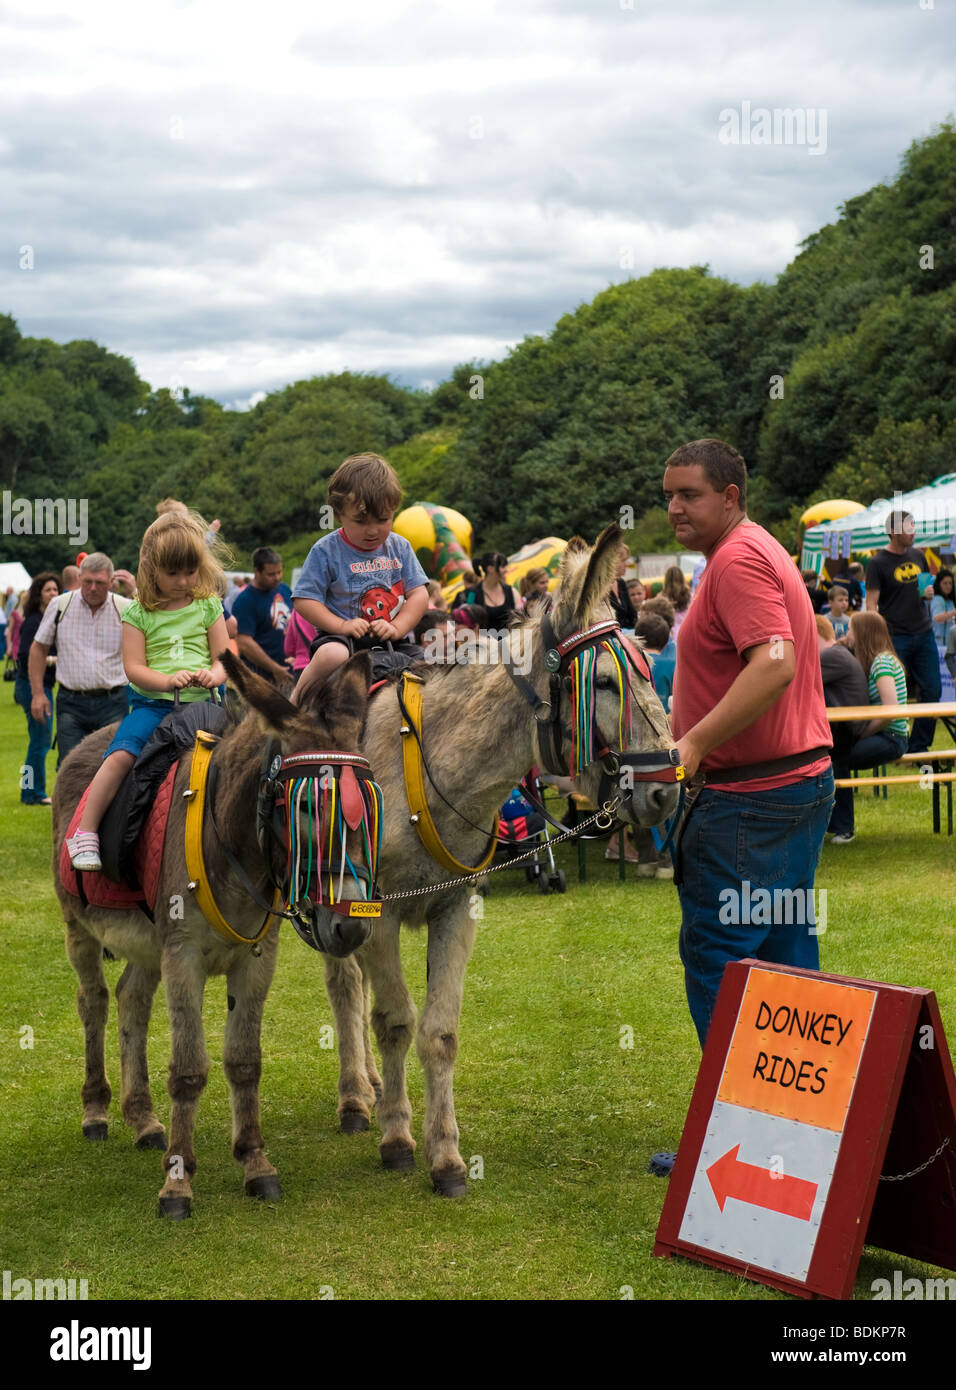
x: 825, y: 628
x: 870, y: 637
x: 366, y: 482
x: 176, y: 542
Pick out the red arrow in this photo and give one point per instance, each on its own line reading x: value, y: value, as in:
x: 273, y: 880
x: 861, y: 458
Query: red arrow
x: 760, y: 1187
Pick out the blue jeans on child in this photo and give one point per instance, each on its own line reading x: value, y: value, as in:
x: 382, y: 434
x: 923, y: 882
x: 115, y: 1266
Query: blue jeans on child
x: 145, y: 716
x: 40, y: 733
x: 735, y: 843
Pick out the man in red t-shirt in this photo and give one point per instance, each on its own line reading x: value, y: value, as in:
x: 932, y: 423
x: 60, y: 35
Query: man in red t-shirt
x: 748, y: 713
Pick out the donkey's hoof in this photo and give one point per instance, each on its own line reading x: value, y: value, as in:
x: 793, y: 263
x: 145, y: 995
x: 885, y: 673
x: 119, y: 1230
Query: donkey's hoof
x: 155, y: 1139
x: 266, y: 1188
x: 450, y: 1184
x: 397, y: 1158
x: 96, y: 1130
x: 353, y: 1122
x: 176, y: 1208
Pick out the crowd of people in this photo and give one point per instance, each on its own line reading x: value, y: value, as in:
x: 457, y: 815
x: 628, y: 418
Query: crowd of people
x: 745, y: 660
x: 874, y: 629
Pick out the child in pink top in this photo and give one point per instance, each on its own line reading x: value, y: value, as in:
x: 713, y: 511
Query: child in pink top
x: 299, y: 636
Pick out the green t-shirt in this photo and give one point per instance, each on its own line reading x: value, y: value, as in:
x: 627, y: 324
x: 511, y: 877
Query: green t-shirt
x: 885, y: 664
x: 176, y: 641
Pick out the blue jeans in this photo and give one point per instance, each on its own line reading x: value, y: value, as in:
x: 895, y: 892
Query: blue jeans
x: 733, y: 845
x: 78, y: 715
x: 33, y: 777
x: 868, y: 752
x: 920, y: 657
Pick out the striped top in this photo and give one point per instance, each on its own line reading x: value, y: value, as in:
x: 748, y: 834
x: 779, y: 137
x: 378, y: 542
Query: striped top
x: 886, y: 664
x: 89, y: 642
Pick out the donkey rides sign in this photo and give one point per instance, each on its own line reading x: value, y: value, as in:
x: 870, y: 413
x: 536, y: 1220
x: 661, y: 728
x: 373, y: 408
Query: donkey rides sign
x: 824, y: 1115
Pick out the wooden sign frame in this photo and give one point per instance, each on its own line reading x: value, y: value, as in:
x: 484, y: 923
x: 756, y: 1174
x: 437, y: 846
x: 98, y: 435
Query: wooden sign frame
x: 901, y: 1112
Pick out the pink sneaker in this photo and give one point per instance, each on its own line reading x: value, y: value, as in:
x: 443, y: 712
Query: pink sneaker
x: 84, y: 850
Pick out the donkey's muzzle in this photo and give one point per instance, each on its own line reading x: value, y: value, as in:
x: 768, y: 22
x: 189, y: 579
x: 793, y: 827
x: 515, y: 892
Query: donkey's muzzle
x: 335, y: 930
x: 340, y: 936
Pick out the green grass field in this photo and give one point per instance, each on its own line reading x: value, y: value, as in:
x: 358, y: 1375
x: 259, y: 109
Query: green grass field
x: 562, y: 1118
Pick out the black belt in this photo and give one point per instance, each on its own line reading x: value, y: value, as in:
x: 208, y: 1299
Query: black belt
x: 89, y: 694
x: 751, y: 771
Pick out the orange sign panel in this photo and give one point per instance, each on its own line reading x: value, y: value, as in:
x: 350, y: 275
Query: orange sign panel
x: 796, y: 1048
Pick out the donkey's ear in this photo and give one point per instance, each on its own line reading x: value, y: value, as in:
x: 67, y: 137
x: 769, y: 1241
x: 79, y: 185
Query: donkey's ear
x: 602, y: 568
x: 347, y: 690
x: 273, y: 709
x: 570, y: 557
x: 343, y: 694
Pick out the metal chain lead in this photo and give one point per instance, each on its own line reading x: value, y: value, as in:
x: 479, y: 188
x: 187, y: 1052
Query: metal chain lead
x: 605, y: 813
x: 899, y: 1177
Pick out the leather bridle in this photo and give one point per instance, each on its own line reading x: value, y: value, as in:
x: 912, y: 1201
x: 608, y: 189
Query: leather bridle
x: 552, y: 734
x: 339, y: 792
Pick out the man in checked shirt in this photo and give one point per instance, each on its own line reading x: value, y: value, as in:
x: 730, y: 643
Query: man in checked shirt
x: 93, y: 689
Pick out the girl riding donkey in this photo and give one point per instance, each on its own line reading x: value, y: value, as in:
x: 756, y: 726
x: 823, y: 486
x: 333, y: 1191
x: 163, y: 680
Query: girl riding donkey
x: 169, y: 634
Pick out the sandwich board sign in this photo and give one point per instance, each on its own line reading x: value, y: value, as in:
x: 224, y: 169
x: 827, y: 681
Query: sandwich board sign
x: 823, y: 1117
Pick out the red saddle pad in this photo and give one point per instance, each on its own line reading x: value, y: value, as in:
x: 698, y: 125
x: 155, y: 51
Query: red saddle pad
x: 101, y: 891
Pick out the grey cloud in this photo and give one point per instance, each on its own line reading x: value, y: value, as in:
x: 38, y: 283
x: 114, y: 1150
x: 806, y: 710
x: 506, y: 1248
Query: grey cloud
x: 275, y: 220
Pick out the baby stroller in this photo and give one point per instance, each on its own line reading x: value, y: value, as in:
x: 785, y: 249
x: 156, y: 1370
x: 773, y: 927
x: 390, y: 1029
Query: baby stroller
x: 521, y: 827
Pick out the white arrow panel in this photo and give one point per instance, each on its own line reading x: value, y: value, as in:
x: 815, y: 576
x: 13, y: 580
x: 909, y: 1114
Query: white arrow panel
x: 754, y: 1234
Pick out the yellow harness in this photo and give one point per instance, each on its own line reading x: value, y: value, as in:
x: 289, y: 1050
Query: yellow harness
x: 195, y: 863
x: 413, y: 767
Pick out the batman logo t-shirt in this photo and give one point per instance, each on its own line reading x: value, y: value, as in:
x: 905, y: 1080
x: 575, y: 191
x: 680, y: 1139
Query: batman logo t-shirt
x: 897, y: 579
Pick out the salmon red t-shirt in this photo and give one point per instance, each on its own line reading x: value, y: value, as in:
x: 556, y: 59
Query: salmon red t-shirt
x: 751, y: 593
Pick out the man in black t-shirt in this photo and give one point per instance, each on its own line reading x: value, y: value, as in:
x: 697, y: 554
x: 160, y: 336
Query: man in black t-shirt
x: 892, y: 590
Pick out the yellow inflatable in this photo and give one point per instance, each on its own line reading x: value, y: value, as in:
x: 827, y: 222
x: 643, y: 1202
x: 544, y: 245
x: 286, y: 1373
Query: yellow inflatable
x: 440, y: 537
x: 829, y: 511
x: 545, y: 554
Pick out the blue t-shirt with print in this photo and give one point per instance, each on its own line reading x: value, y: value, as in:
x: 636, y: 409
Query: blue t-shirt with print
x: 262, y: 614
x: 357, y: 583
x: 662, y: 666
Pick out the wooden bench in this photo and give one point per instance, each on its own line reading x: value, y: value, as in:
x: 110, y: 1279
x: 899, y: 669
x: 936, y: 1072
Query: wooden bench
x: 945, y: 711
x: 933, y: 779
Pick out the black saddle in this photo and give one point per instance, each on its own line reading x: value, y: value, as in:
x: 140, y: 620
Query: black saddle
x: 120, y: 827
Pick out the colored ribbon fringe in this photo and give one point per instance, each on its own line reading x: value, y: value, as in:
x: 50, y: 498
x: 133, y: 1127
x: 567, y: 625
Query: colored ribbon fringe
x: 585, y: 746
x: 313, y: 861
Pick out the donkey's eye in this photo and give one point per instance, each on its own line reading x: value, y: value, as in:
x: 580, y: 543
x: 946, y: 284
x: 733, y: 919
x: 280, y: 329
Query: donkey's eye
x: 605, y: 683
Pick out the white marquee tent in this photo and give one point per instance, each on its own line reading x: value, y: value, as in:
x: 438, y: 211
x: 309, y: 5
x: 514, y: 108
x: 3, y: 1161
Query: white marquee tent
x: 933, y: 508
x: 13, y: 576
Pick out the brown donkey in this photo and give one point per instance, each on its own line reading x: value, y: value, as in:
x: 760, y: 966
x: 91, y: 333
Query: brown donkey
x: 182, y: 948
x: 479, y: 739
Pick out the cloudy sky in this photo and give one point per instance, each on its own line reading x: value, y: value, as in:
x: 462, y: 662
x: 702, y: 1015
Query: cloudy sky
x: 237, y: 196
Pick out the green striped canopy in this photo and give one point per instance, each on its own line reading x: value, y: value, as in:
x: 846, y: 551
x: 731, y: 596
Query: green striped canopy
x: 933, y: 508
